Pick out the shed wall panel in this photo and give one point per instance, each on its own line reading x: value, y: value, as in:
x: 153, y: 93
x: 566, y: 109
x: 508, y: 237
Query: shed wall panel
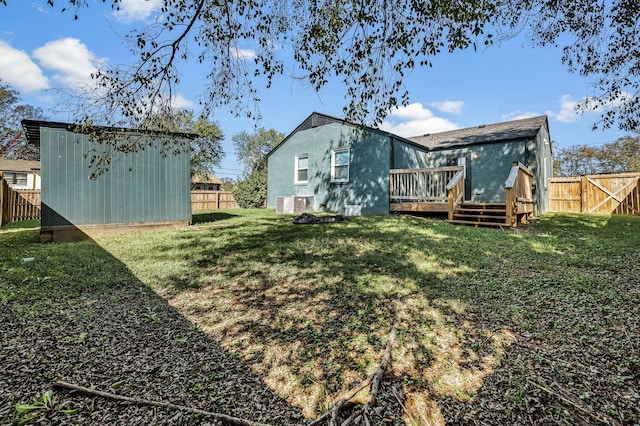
x: 139, y: 187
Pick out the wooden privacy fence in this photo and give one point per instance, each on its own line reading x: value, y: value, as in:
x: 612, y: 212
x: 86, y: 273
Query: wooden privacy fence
x: 212, y: 200
x: 611, y: 194
x: 18, y: 204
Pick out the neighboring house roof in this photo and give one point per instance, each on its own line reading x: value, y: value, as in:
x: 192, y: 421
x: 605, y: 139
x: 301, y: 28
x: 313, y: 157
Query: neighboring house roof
x: 18, y: 165
x: 32, y: 130
x: 205, y: 178
x: 317, y: 119
x: 509, y: 130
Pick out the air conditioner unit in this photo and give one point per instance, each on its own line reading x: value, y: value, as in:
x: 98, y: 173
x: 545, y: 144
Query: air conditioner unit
x: 291, y: 205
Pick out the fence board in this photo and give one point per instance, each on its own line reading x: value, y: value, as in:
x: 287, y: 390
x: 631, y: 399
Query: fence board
x: 610, y: 194
x: 212, y: 200
x: 25, y: 204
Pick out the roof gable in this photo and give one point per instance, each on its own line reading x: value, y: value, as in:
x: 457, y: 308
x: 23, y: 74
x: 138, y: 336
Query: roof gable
x: 317, y: 119
x: 509, y: 130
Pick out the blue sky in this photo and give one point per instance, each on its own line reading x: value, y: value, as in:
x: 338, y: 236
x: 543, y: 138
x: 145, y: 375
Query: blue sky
x: 42, y: 50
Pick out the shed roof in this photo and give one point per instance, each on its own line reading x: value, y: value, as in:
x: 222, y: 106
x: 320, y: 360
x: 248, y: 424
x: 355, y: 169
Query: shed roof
x: 486, y: 133
x: 18, y: 165
x: 32, y: 130
x: 317, y: 119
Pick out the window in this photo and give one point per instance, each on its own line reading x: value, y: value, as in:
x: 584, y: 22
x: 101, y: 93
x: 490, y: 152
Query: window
x: 340, y: 165
x: 302, y: 168
x: 16, y: 178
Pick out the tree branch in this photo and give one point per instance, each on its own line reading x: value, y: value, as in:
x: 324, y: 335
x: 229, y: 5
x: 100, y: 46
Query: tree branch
x: 218, y: 416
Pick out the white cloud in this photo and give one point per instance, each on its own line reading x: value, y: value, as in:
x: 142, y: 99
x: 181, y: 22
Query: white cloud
x: 180, y: 102
x: 451, y: 107
x: 136, y: 10
x: 243, y: 54
x: 19, y: 71
x: 519, y: 115
x: 70, y: 58
x: 415, y: 120
x: 567, y: 113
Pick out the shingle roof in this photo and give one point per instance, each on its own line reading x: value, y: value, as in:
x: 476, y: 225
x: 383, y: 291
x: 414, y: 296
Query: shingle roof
x: 509, y: 130
x: 18, y: 165
x: 317, y: 119
x: 205, y: 178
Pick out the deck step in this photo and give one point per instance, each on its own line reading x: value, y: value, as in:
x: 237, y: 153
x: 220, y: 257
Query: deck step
x: 481, y: 214
x: 488, y: 217
x: 479, y: 223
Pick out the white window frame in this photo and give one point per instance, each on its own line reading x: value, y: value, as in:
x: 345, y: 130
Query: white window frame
x: 333, y: 164
x: 297, y: 168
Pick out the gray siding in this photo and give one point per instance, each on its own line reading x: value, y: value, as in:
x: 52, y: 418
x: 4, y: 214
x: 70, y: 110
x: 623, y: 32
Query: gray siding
x: 141, y: 187
x: 369, y: 161
x: 541, y: 163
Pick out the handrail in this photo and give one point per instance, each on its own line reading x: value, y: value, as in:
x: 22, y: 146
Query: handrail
x: 428, y: 170
x: 519, y: 193
x: 515, y: 169
x: 454, y: 180
x: 455, y: 192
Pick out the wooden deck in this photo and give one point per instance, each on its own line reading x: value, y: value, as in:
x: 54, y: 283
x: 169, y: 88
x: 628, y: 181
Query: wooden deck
x: 441, y: 190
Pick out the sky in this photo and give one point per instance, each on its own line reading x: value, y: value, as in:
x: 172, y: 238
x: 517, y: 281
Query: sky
x: 43, y: 50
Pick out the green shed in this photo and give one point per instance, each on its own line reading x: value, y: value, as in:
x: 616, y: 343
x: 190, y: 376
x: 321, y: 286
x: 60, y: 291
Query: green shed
x: 141, y: 188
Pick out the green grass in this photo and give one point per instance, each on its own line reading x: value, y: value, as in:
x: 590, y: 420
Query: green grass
x: 309, y: 307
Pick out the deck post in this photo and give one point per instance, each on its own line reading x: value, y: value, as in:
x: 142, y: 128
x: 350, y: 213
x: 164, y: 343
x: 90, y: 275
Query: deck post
x: 451, y: 200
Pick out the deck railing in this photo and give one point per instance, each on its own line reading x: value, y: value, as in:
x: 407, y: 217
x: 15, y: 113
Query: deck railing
x: 519, y: 188
x: 421, y: 185
x: 455, y: 192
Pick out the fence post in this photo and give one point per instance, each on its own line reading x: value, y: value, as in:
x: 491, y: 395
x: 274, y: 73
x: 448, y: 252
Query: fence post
x: 583, y: 194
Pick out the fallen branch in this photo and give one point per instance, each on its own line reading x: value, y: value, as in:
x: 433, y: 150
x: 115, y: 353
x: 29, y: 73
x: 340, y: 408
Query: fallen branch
x: 345, y: 398
x: 607, y: 420
x: 377, y: 377
x: 404, y: 409
x: 218, y: 416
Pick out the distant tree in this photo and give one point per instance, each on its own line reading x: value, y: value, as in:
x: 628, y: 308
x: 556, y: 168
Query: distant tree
x: 227, y: 184
x: 623, y: 155
x: 252, y: 150
x: 577, y: 160
x: 251, y: 192
x: 371, y: 46
x: 206, y: 149
x: 13, y: 143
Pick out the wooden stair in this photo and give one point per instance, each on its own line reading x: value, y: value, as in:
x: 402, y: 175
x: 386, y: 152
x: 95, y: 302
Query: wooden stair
x: 481, y: 214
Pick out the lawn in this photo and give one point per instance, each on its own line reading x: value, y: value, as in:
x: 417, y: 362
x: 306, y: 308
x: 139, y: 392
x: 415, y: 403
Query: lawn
x: 247, y: 314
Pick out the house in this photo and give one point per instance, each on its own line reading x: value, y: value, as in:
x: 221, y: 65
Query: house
x: 143, y: 188
x: 205, y: 182
x: 329, y: 164
x: 21, y: 174
x: 487, y: 153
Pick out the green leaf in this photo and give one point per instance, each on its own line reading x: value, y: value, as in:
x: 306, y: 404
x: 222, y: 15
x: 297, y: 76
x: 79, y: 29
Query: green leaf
x: 26, y: 408
x: 47, y: 398
x: 70, y: 412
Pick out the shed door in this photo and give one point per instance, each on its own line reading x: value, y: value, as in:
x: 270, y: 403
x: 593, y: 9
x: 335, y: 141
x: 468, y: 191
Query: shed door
x: 465, y: 161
